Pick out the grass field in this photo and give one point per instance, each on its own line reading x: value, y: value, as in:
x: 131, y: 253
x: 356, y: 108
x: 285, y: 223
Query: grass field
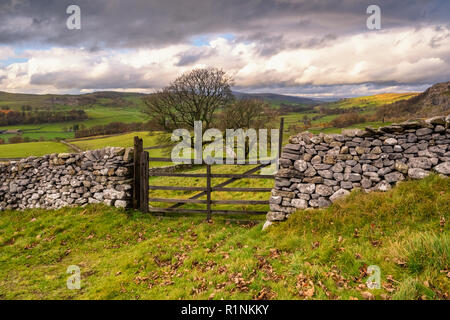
x: 319, y: 254
x: 46, y: 147
x: 150, y: 139
x: 23, y: 150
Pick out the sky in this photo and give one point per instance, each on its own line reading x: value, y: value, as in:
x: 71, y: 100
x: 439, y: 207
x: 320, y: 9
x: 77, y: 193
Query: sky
x: 311, y: 48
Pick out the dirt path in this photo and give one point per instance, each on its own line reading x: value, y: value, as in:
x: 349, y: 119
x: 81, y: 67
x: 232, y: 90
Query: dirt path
x: 72, y: 146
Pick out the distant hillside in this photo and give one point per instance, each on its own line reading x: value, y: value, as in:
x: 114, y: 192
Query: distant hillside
x: 277, y: 98
x: 365, y: 102
x: 45, y: 101
x: 121, y: 99
x: 433, y: 101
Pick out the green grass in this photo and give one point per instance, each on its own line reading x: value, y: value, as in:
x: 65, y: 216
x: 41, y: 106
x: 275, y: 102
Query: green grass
x: 23, y: 150
x: 129, y: 255
x: 150, y: 139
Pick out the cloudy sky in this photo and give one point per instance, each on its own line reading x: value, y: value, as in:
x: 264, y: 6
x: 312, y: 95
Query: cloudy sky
x: 301, y: 47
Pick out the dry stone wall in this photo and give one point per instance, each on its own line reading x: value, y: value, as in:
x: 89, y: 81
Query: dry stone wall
x: 59, y: 180
x: 315, y: 170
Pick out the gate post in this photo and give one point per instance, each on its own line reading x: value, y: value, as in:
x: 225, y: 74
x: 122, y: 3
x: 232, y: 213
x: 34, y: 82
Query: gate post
x: 143, y: 197
x: 208, y: 192
x: 280, y: 137
x: 138, y: 150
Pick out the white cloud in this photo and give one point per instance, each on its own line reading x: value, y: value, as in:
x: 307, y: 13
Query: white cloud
x: 388, y: 56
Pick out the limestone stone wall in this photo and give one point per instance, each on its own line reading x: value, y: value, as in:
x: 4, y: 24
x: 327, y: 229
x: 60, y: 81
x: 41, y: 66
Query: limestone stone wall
x: 315, y: 170
x: 57, y: 180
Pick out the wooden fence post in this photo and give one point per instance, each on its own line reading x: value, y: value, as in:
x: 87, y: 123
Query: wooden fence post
x: 143, y: 196
x: 138, y: 150
x: 280, y: 138
x: 208, y: 192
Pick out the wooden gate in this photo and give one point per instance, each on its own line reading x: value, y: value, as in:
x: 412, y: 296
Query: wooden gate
x: 141, y: 187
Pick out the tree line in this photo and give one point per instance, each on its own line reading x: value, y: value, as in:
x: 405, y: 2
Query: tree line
x: 12, y: 117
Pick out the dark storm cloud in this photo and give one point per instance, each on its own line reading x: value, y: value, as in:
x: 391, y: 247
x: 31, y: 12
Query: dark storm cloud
x: 194, y: 55
x: 116, y: 80
x: 143, y: 23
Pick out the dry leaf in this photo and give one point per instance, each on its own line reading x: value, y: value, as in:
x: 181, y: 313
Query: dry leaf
x: 367, y: 295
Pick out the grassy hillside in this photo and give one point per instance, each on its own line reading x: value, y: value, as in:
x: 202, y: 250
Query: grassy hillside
x: 370, y: 101
x: 277, y: 99
x: 23, y: 150
x: 150, y: 139
x: 320, y: 254
x: 362, y: 105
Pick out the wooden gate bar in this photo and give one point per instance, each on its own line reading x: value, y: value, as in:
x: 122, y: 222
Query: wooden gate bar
x: 242, y: 189
x: 177, y: 200
x: 178, y: 188
x: 240, y: 201
x: 221, y: 212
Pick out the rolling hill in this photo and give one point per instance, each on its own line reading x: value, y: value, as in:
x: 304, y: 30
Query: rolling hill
x: 277, y: 98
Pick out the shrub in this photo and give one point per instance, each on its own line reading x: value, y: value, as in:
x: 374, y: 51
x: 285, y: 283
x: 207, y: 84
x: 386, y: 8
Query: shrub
x: 16, y: 139
x: 348, y: 119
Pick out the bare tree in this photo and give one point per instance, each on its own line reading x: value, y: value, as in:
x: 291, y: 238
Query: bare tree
x: 248, y: 113
x: 194, y: 96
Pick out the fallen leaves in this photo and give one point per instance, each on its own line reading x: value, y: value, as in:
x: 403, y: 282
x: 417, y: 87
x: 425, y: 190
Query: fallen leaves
x: 399, y: 262
x: 367, y: 295
x: 267, y: 269
x: 304, y: 286
x: 239, y: 281
x: 265, y: 294
x: 442, y: 221
x: 339, y: 280
x: 315, y: 245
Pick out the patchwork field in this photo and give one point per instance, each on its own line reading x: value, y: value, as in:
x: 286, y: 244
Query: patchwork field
x: 98, y: 115
x: 320, y: 254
